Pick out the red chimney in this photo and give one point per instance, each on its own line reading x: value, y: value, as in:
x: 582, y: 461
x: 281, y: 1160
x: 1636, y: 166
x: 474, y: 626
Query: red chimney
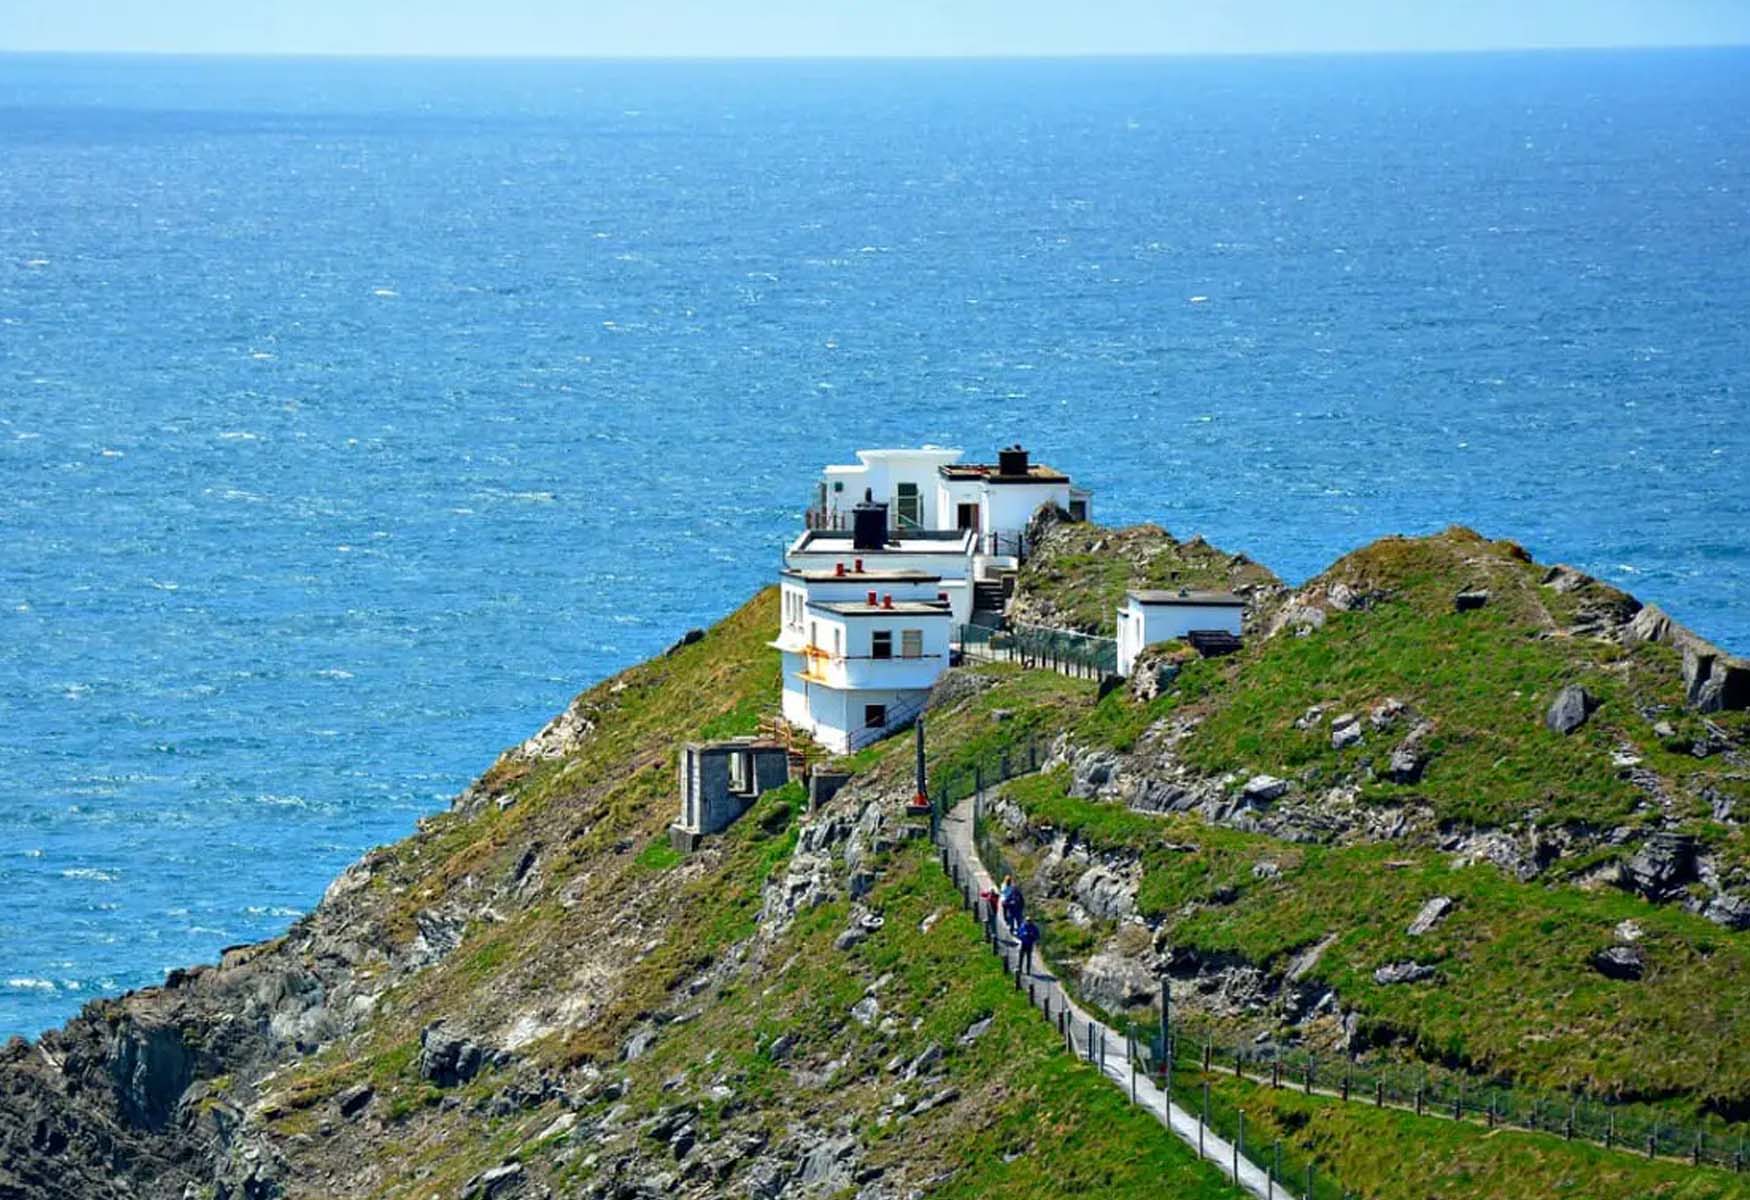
x: 886, y: 601
x: 840, y: 568
x: 859, y: 566
x: 871, y: 599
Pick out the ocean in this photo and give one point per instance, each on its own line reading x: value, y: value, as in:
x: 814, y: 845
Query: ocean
x: 356, y: 414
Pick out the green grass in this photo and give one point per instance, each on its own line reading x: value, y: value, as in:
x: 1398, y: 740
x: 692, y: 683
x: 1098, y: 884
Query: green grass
x: 1516, y: 996
x: 1384, y: 1154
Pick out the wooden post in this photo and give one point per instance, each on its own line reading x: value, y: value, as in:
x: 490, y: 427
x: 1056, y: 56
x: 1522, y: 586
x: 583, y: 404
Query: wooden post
x: 1346, y: 1083
x: 1309, y: 1074
x: 1379, y: 1093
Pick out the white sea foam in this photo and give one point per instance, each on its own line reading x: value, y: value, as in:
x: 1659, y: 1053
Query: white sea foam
x: 164, y: 585
x: 1198, y: 300
x: 93, y: 873
x: 333, y: 673
x: 384, y: 292
x: 108, y: 453
x: 23, y: 983
x: 239, y: 435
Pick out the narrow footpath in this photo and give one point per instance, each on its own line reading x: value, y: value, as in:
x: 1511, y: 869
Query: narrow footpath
x: 1090, y: 1038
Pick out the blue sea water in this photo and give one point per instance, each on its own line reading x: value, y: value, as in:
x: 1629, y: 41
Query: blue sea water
x: 355, y: 414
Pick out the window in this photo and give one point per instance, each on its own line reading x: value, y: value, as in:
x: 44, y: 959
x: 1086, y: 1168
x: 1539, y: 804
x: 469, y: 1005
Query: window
x: 911, y: 643
x: 838, y: 485
x: 908, y: 505
x: 741, y: 772
x: 874, y: 716
x: 1078, y: 510
x: 881, y: 644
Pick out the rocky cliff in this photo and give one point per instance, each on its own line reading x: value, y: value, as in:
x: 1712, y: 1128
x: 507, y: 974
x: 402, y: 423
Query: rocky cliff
x: 1447, y: 804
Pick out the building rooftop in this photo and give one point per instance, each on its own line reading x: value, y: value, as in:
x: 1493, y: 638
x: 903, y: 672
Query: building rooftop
x: 990, y: 473
x: 906, y: 541
x: 1185, y: 596
x: 913, y: 608
x: 864, y: 576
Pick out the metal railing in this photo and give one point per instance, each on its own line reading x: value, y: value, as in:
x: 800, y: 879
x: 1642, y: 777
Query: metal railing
x: 1063, y: 650
x: 897, y: 717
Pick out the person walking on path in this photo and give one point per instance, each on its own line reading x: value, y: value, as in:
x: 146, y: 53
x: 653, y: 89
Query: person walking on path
x: 1028, y: 937
x: 1012, y: 903
x: 990, y: 899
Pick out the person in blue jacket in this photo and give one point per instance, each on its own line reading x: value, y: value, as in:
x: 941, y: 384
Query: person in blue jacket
x: 1027, y: 936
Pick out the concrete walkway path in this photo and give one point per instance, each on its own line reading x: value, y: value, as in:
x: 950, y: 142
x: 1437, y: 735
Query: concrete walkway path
x: 1093, y: 1039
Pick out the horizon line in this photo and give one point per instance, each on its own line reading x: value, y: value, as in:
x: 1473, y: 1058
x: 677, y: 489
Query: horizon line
x: 832, y: 56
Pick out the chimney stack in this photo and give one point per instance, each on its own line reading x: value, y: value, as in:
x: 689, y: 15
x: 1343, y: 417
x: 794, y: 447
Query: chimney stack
x: 1012, y: 461
x: 869, y: 524
x: 871, y: 599
x: 839, y: 568
x: 887, y: 600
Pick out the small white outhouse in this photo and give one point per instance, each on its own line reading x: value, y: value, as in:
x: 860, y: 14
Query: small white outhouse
x: 1148, y: 618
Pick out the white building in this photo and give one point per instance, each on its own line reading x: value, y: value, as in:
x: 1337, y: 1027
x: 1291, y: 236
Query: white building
x: 898, y: 548
x: 930, y: 491
x: 861, y: 649
x: 1147, y: 618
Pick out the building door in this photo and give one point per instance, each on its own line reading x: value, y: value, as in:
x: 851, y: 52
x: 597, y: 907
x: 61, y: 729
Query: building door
x: 874, y: 716
x: 909, y: 506
x: 966, y: 516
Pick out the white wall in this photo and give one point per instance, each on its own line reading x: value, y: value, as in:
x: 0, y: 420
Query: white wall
x: 1144, y: 625
x: 954, y: 568
x: 880, y: 472
x: 1009, y: 506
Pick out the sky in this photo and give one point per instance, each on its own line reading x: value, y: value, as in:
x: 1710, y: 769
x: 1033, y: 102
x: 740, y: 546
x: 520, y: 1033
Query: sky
x: 875, y: 28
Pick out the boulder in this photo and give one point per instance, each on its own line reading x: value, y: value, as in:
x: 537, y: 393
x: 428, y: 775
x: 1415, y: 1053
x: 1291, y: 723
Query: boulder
x: 1262, y: 789
x: 448, y: 1059
x: 1403, y: 972
x: 1115, y: 981
x: 494, y: 1182
x: 1432, y: 914
x: 1106, y: 892
x: 1470, y: 601
x: 686, y: 639
x: 1406, y: 763
x: 1569, y: 710
x: 1345, y: 731
x: 1662, y: 867
x: 1730, y: 910
x: 1620, y: 962
x: 1385, y: 712
x: 354, y: 1100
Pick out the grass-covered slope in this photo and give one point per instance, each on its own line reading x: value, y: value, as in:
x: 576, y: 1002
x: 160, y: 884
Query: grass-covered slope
x: 535, y: 995
x: 1152, y: 841
x: 1078, y: 574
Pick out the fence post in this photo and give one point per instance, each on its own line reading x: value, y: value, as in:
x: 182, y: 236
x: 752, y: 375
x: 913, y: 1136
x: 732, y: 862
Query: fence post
x: 1032, y: 752
x: 1309, y: 1179
x: 1275, y: 1172
x: 1208, y: 1048
x: 1346, y: 1070
x: 1418, y: 1099
x: 1458, y: 1103
x: 1238, y: 1142
x: 1572, y: 1108
x: 1276, y: 1069
x: 1309, y: 1074
x: 1130, y: 1053
x: 1609, y: 1123
x: 1379, y: 1093
x: 1203, y: 1118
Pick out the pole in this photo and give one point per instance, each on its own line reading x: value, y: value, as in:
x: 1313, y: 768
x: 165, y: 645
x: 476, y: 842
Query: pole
x: 1203, y: 1118
x: 1237, y: 1141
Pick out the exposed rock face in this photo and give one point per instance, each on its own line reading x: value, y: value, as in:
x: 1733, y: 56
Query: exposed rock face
x: 1663, y: 867
x: 1569, y: 710
x: 1433, y: 912
x: 1620, y: 962
x: 448, y: 1059
x: 1403, y: 972
x: 1470, y: 601
x: 1117, y: 981
x: 1345, y: 731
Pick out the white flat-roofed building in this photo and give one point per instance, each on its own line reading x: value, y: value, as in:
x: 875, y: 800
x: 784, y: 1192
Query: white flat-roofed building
x: 904, y: 480
x: 1147, y: 618
x: 854, y: 667
x: 944, y: 555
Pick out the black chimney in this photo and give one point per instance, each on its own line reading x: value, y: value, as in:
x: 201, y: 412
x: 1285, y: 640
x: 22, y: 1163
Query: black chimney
x: 869, y: 524
x: 1012, y: 461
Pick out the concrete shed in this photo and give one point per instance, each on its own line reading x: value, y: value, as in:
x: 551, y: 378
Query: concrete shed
x: 720, y: 781
x: 1147, y: 618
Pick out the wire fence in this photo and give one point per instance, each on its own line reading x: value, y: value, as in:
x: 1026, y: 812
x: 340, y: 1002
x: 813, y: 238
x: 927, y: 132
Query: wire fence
x: 1188, y: 1057
x: 1065, y: 651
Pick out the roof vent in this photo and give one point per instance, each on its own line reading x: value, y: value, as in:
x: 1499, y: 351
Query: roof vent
x: 1012, y: 460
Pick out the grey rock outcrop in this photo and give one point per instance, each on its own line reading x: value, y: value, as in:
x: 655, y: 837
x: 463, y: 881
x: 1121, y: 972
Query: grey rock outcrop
x: 1569, y: 710
x: 1663, y: 867
x: 1433, y: 912
x: 1403, y: 972
x: 1620, y: 962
